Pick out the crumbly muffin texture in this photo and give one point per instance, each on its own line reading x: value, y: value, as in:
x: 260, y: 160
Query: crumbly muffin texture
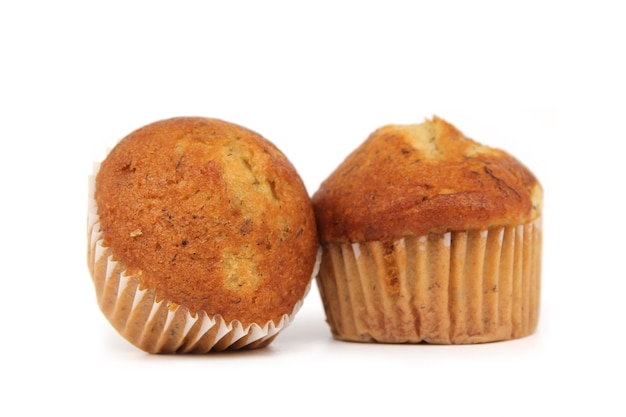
x: 423, y: 178
x: 211, y: 215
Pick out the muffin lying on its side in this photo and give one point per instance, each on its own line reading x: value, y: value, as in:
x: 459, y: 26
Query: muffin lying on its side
x: 201, y: 237
x: 431, y: 237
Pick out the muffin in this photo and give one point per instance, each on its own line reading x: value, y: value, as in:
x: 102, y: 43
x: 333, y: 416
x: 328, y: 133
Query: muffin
x: 201, y: 237
x: 429, y: 236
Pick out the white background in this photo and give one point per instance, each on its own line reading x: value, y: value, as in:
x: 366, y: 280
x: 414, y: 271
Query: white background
x: 541, y: 79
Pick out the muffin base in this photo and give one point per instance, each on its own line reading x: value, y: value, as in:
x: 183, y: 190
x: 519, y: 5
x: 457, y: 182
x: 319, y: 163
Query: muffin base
x: 452, y: 288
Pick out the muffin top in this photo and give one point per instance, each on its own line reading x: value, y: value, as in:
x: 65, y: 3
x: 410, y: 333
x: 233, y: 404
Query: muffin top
x: 211, y: 215
x: 423, y: 178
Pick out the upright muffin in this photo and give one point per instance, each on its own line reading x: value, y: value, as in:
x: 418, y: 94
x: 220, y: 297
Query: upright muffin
x: 202, y: 237
x: 429, y: 236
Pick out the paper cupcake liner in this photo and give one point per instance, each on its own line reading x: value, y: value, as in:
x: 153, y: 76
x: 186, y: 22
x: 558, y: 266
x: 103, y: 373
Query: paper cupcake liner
x: 162, y: 326
x: 452, y: 288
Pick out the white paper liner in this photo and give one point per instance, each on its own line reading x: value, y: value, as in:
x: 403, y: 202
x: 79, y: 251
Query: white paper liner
x: 159, y: 326
x: 451, y: 288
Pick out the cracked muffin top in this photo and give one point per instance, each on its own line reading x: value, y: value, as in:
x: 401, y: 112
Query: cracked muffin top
x: 211, y: 215
x: 423, y: 178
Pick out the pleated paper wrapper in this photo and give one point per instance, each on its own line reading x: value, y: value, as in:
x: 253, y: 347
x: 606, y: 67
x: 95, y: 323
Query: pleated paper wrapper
x: 162, y: 326
x: 452, y: 288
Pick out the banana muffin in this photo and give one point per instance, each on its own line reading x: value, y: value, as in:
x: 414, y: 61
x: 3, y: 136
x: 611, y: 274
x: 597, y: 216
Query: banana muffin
x: 202, y: 237
x: 429, y: 236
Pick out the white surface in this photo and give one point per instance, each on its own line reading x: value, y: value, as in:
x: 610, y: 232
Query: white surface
x: 541, y: 79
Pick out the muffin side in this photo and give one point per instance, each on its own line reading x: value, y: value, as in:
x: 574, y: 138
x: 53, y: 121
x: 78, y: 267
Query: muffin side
x: 451, y: 288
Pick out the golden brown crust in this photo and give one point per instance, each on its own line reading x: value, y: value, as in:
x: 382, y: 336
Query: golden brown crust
x: 211, y: 215
x: 420, y: 179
